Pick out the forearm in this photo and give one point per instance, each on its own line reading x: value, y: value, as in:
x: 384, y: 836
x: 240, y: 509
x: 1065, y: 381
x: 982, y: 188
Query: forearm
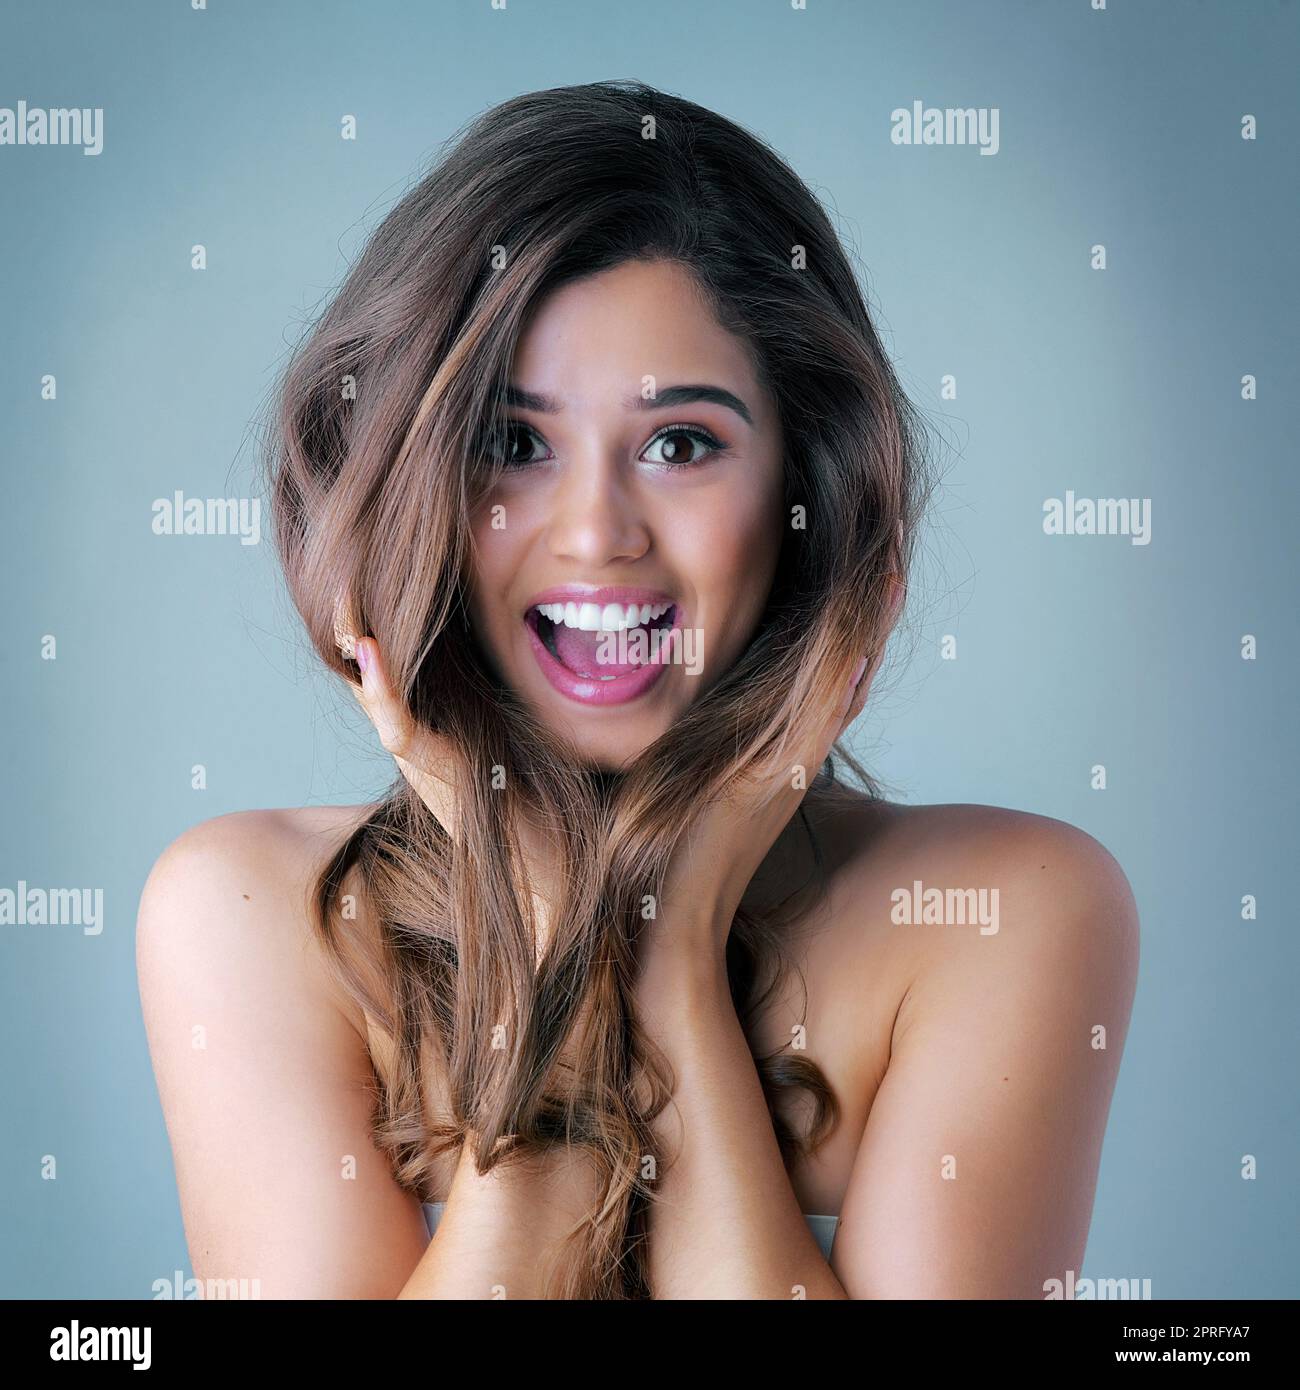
x: 500, y: 1231
x: 726, y: 1222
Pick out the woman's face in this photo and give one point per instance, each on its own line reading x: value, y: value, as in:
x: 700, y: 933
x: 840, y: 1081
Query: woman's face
x: 626, y: 553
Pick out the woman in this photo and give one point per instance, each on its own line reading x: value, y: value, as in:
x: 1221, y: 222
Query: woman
x: 595, y: 483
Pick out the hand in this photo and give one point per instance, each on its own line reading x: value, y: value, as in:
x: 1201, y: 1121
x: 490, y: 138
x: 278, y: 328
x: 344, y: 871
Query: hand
x: 423, y: 757
x: 428, y: 762
x: 713, y: 866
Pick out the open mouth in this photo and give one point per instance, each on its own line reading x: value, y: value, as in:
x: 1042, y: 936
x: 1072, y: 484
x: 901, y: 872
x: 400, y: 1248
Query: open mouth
x: 601, y: 641
x: 602, y: 653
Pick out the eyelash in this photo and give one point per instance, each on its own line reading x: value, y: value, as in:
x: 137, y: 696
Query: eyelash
x: 711, y: 442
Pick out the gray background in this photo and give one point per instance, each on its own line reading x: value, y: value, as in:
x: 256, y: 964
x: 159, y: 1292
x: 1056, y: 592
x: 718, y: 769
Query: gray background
x: 1120, y: 127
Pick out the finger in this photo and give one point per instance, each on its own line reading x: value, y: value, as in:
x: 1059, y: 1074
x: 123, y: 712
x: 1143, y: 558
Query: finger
x: 813, y: 740
x: 390, y: 717
x: 421, y: 755
x: 828, y: 732
x: 848, y: 699
x: 863, y: 689
x: 860, y: 686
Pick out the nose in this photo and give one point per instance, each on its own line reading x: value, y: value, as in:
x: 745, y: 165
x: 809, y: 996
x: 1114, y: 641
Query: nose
x: 596, y: 518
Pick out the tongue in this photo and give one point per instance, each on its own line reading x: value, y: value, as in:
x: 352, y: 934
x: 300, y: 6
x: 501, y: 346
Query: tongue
x: 581, y: 651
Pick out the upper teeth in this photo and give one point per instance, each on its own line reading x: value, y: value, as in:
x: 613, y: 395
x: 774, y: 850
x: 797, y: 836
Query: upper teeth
x: 593, y: 617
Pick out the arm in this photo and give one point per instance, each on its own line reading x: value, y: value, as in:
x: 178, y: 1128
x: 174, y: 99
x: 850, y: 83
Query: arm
x: 266, y: 1083
x: 500, y: 1229
x: 994, y: 1064
x: 976, y: 1172
x: 726, y: 1223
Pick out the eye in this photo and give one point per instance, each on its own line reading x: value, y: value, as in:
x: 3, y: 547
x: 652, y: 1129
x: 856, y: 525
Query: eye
x: 679, y: 442
x: 512, y: 444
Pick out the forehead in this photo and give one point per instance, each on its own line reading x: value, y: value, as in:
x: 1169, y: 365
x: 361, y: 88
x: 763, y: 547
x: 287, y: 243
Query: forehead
x: 601, y: 335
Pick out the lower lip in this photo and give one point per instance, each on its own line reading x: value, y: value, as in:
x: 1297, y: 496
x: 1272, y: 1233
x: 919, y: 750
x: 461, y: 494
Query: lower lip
x: 589, y: 690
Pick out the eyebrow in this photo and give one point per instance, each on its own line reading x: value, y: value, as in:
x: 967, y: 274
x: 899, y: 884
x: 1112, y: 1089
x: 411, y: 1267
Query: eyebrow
x: 670, y: 396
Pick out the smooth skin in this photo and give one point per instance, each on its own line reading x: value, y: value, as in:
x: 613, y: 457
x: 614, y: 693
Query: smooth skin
x: 971, y: 1068
x: 599, y: 503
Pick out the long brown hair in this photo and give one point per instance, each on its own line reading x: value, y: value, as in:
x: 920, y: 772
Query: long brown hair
x: 376, y: 460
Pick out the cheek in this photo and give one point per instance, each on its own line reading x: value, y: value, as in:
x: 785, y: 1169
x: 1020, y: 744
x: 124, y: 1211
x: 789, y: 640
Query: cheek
x: 502, y: 523
x: 728, y: 544
x: 493, y: 563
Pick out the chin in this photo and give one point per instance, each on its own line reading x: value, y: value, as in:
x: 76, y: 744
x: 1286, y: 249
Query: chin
x: 610, y: 745
x: 607, y: 720
x: 616, y: 759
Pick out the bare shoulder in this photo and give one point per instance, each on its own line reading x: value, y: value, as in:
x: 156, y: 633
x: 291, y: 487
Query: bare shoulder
x: 263, y: 1073
x: 874, y: 845
x: 253, y: 839
x: 232, y: 894
x: 1009, y: 943
x: 971, y: 893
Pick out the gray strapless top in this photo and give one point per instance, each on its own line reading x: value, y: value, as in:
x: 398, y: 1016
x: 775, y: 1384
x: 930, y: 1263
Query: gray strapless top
x: 822, y: 1227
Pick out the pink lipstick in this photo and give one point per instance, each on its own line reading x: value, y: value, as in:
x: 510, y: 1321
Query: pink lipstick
x: 601, y: 644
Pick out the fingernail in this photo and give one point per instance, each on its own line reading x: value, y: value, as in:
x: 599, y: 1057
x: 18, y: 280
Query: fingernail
x: 363, y: 655
x: 857, y: 672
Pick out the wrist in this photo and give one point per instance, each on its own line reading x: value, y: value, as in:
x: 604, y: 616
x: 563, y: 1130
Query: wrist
x: 683, y: 963
x: 694, y: 931
x: 559, y: 1178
